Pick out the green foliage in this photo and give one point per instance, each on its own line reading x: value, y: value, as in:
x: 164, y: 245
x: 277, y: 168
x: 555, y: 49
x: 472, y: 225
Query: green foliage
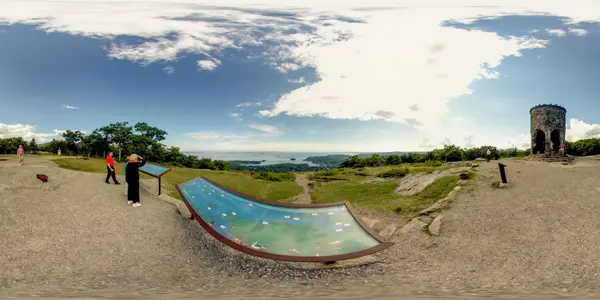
x: 439, y: 188
x: 33, y: 147
x: 10, y: 145
x: 583, y: 147
x: 273, y: 176
x: 331, y: 172
x: 434, y: 158
x: 121, y: 139
x: 333, y: 160
x: 278, y: 191
x: 397, y: 172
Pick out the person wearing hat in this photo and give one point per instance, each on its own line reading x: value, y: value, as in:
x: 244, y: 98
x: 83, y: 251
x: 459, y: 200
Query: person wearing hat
x: 132, y: 176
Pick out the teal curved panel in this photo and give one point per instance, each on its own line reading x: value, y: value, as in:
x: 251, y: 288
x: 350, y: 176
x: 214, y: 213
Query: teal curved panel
x: 278, y: 230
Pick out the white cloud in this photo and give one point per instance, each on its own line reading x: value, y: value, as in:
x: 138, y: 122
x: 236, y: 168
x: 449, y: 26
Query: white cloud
x: 298, y: 80
x: 236, y: 116
x: 578, y: 31
x: 269, y: 129
x: 286, y: 67
x: 202, y: 136
x: 209, y: 65
x: 169, y: 70
x: 247, y: 104
x: 521, y: 141
x: 578, y: 129
x: 70, y: 107
x: 556, y: 32
x: 373, y: 69
x: 210, y: 136
x: 27, y: 132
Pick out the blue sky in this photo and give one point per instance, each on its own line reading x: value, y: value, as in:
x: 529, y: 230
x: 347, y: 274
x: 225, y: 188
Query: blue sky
x: 312, y: 79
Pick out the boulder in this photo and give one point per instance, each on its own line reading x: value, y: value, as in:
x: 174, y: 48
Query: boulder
x: 434, y: 227
x: 436, y: 206
x: 414, y: 225
x: 374, y: 224
x: 389, y: 230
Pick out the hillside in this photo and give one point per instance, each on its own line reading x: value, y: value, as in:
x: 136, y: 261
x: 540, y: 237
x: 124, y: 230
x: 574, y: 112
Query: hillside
x: 370, y: 188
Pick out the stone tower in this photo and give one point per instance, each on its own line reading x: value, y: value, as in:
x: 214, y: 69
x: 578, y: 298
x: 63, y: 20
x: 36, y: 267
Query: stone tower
x: 548, y: 127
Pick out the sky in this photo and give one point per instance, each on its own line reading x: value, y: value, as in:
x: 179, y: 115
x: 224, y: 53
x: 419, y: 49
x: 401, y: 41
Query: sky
x: 300, y: 76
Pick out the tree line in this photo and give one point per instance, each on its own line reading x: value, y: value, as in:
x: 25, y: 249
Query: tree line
x: 451, y: 153
x: 120, y: 138
x: 146, y: 140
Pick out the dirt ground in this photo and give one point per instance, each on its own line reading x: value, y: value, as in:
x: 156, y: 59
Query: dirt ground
x: 76, y: 235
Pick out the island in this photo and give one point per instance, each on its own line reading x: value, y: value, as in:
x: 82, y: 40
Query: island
x: 332, y: 160
x: 246, y: 162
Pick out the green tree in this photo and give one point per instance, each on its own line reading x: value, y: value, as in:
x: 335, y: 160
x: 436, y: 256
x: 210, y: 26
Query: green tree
x: 393, y: 159
x: 150, y: 132
x: 72, y: 141
x: 33, y: 146
x: 221, y: 165
x: 118, y: 133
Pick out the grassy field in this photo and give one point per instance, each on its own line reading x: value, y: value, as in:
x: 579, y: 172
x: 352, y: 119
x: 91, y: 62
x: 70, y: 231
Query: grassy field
x: 330, y: 186
x: 349, y: 184
x: 259, y: 188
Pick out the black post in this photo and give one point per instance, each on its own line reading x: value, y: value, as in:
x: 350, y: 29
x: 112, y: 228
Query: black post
x: 159, y: 186
x: 502, y: 172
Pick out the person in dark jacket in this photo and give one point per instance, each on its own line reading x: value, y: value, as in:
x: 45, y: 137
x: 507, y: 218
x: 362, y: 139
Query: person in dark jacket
x: 132, y: 176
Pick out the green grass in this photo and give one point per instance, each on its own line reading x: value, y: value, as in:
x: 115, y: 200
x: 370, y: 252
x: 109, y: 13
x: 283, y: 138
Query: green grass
x: 268, y: 190
x: 240, y: 182
x: 376, y: 196
x: 397, y: 172
x: 331, y: 186
x: 381, y: 196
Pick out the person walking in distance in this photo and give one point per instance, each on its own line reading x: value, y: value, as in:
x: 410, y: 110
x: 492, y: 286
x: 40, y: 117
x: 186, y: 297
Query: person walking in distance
x: 132, y: 176
x: 561, y: 150
x: 20, y: 154
x: 110, y: 168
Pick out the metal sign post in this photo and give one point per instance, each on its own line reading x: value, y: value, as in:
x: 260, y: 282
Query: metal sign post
x: 502, y: 172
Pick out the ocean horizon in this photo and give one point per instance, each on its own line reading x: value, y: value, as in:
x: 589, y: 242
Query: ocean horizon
x: 269, y: 157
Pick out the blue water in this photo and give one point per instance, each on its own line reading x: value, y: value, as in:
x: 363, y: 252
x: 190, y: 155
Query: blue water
x: 270, y: 158
x: 155, y: 170
x: 217, y: 205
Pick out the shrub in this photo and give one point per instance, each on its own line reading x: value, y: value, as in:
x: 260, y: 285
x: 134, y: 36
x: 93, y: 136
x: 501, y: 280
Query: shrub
x: 396, y: 172
x: 274, y: 176
x: 330, y: 172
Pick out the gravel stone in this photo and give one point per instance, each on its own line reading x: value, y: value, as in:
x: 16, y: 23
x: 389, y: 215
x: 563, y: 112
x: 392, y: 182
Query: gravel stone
x: 76, y: 236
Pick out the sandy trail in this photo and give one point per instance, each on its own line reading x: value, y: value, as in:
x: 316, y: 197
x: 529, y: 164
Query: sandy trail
x: 305, y: 197
x: 77, y: 236
x: 540, y: 234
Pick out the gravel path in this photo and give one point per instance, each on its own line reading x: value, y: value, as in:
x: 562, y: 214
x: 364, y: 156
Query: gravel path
x: 77, y: 236
x: 303, y: 198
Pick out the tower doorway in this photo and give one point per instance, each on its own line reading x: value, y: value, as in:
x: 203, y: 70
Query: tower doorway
x: 555, y: 138
x: 540, y: 142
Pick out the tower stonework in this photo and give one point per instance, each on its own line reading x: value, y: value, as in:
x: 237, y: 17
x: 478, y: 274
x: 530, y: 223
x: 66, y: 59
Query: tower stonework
x: 548, y: 128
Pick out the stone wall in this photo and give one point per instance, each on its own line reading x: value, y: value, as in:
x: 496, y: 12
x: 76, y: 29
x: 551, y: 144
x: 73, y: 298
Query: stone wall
x: 548, y: 117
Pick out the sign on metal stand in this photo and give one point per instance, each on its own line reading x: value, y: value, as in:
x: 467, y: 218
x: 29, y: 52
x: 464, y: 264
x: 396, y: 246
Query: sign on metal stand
x: 155, y: 171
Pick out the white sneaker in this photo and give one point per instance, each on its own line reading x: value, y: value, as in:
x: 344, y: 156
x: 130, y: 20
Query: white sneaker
x: 137, y: 204
x: 129, y: 202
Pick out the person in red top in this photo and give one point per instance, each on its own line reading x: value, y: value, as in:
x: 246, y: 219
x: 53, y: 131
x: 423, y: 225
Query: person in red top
x: 110, y: 168
x: 561, y: 150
